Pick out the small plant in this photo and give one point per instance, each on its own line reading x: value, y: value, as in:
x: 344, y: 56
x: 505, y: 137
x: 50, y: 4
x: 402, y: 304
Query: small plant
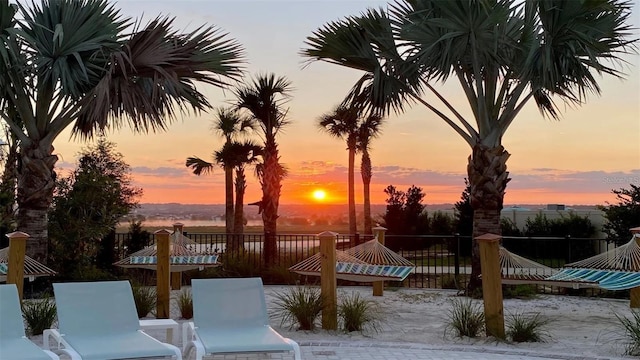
x: 521, y: 291
x: 358, y: 314
x: 631, y: 328
x: 466, y: 318
x: 300, y: 305
x: 145, y: 299
x: 39, y: 315
x: 185, y: 304
x: 526, y: 328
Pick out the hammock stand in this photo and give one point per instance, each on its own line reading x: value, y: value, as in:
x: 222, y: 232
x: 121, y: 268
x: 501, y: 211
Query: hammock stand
x: 367, y: 262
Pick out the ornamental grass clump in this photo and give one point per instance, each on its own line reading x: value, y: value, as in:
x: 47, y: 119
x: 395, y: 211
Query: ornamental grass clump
x: 145, y: 299
x: 39, y: 315
x: 358, y: 314
x: 185, y: 304
x: 466, y: 318
x: 631, y: 330
x: 299, y: 306
x: 526, y: 328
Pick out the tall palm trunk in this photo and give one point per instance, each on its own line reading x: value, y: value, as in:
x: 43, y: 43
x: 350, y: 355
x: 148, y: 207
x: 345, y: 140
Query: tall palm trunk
x: 351, y: 147
x: 238, y: 218
x: 228, y: 199
x: 270, y: 199
x: 367, y: 173
x: 488, y: 178
x: 36, y: 182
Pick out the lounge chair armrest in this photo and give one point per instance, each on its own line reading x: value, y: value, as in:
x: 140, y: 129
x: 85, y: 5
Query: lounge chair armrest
x: 58, y: 338
x: 46, y: 338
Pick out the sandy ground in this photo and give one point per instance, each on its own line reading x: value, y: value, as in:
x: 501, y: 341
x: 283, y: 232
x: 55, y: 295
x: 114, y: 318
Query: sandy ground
x: 577, y: 325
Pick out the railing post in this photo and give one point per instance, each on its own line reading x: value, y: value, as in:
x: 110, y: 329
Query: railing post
x: 489, y: 245
x: 176, y: 276
x: 163, y: 268
x: 328, y: 282
x: 456, y: 257
x: 378, y: 286
x: 634, y: 295
x: 17, y: 250
x: 355, y: 240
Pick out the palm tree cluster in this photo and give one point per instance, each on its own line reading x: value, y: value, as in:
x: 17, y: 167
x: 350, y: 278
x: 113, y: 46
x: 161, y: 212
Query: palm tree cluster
x: 351, y: 124
x: 502, y: 53
x: 258, y: 110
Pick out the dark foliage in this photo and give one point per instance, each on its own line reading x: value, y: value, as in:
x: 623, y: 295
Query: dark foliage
x: 86, y: 207
x: 623, y: 215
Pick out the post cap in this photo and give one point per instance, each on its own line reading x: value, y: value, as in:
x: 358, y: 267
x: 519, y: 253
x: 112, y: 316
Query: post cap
x: 489, y: 237
x: 327, y: 234
x: 380, y: 228
x: 162, y: 232
x: 17, y: 235
x: 635, y: 230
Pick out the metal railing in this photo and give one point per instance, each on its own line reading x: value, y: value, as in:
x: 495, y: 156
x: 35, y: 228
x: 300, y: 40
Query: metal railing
x: 442, y: 261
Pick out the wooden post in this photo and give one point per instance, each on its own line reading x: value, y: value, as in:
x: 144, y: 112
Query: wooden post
x: 17, y: 250
x: 634, y: 295
x: 163, y: 265
x: 176, y: 276
x: 378, y: 286
x: 492, y: 284
x: 328, y: 282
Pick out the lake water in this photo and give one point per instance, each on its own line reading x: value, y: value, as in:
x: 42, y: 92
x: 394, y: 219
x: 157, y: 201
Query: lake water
x: 188, y: 223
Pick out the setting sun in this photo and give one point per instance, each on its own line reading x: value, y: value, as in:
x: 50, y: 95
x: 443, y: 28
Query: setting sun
x: 319, y: 195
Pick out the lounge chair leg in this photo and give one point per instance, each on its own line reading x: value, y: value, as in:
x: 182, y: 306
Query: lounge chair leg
x: 296, y: 349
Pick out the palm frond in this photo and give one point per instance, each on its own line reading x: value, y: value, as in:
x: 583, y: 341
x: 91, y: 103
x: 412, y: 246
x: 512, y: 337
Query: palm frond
x: 70, y: 42
x: 263, y: 99
x: 367, y: 43
x: 152, y: 77
x: 199, y: 166
x: 580, y: 39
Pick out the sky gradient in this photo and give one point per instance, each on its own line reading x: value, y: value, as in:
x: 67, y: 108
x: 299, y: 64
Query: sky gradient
x: 578, y: 160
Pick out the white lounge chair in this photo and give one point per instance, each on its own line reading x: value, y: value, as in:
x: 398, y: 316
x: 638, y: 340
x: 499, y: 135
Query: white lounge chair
x: 98, y: 320
x: 14, y: 344
x: 230, y: 316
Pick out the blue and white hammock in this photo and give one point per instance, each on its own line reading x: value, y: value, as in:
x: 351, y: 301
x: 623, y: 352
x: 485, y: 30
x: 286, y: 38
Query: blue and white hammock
x: 616, y: 269
x: 367, y: 262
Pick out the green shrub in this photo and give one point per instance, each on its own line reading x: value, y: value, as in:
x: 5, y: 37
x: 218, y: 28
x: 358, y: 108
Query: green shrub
x: 466, y: 318
x: 145, y: 299
x: 449, y: 281
x: 301, y: 305
x: 185, y: 304
x: 358, y: 314
x: 631, y: 329
x: 39, y: 315
x: 526, y: 328
x: 521, y: 291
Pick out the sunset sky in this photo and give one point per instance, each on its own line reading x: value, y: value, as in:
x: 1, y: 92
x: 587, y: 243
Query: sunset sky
x: 577, y: 160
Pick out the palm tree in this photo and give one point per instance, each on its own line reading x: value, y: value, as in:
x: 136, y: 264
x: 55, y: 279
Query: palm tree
x: 241, y: 154
x: 82, y: 64
x: 263, y: 100
x: 230, y: 125
x: 343, y: 123
x: 367, y: 131
x: 503, y: 53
